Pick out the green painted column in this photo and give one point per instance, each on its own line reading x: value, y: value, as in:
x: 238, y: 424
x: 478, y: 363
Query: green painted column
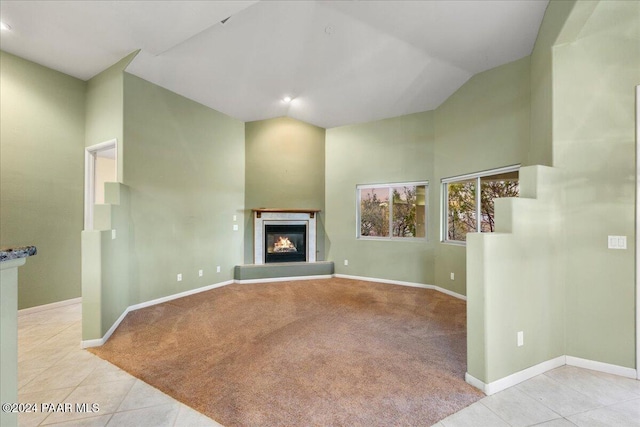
x: 9, y: 338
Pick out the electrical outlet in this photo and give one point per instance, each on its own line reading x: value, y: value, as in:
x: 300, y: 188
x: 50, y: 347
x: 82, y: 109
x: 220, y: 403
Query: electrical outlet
x: 200, y: 273
x: 235, y: 227
x: 453, y: 276
x: 218, y: 269
x: 346, y: 262
x: 179, y: 277
x: 617, y: 242
x: 520, y: 338
x: 113, y: 234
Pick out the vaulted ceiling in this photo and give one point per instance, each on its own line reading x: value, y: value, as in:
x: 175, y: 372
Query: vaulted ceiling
x: 341, y: 62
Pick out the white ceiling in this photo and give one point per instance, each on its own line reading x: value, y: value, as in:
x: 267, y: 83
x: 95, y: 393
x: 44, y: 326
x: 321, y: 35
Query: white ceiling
x: 343, y: 62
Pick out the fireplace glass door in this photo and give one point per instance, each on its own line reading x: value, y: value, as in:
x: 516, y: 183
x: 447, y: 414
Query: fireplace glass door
x: 285, y: 243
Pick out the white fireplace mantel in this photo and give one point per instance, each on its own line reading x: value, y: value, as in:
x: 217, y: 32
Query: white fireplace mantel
x: 264, y: 216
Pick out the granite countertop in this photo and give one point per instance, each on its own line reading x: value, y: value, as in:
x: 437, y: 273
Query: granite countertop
x: 7, y: 254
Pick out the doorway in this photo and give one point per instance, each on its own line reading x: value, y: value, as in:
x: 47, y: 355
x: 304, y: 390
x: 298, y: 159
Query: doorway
x: 100, y: 166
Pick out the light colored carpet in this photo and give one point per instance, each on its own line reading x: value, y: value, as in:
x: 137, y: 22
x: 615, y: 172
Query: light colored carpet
x: 332, y: 352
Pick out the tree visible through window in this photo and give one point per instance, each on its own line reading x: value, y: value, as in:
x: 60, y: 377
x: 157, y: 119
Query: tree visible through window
x: 392, y: 210
x: 463, y: 207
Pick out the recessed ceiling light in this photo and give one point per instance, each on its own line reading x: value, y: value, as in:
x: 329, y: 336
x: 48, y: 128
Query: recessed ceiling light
x: 4, y: 27
x: 286, y: 99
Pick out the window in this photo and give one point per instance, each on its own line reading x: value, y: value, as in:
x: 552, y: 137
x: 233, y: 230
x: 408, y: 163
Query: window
x: 464, y: 204
x: 392, y: 211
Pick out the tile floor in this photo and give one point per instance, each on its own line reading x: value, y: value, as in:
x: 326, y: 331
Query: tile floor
x: 53, y: 369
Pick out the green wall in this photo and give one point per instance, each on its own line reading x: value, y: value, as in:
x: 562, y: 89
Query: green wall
x: 41, y: 176
x: 107, y: 265
x: 184, y: 167
x: 548, y: 271
x: 285, y: 168
x: 484, y: 125
x: 399, y: 149
x: 515, y: 281
x: 594, y: 79
x: 540, y: 151
x: 104, y: 103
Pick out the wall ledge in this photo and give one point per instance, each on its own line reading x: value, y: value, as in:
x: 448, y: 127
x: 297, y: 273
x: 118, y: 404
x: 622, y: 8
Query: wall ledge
x: 284, y: 279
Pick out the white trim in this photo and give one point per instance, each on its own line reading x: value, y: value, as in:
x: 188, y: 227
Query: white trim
x: 403, y: 283
x: 283, y: 279
x: 481, y: 174
x: 100, y: 341
x: 470, y: 379
x: 89, y: 191
x: 450, y: 293
x: 602, y: 367
x: 521, y: 376
x: 541, y: 368
x: 444, y: 208
x: 89, y: 176
x: 51, y: 306
x: 93, y: 343
x: 284, y: 218
x: 393, y: 184
x: 179, y: 295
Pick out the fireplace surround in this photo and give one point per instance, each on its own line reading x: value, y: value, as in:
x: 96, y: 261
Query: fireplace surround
x: 284, y: 235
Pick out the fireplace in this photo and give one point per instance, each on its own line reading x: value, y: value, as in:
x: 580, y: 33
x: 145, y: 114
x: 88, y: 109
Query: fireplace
x: 284, y: 235
x: 285, y: 243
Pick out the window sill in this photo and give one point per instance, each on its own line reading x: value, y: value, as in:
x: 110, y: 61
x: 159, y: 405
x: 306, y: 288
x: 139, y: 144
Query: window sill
x: 393, y: 239
x: 453, y: 243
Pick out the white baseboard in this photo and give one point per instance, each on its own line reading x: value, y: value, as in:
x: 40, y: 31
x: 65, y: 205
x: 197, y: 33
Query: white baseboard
x: 451, y: 293
x: 45, y: 307
x: 541, y: 368
x: 403, y: 283
x: 602, y: 367
x: 100, y: 341
x: 283, y: 279
x: 179, y: 295
x: 470, y: 379
x: 516, y: 378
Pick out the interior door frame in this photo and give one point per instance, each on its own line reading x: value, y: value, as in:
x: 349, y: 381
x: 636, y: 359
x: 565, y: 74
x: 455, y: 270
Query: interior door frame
x: 90, y: 154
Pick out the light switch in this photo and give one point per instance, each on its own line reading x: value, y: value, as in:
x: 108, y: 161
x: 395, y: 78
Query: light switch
x: 235, y: 227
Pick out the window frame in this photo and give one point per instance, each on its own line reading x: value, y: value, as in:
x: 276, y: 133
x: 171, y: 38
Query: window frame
x: 390, y: 187
x: 477, y: 176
